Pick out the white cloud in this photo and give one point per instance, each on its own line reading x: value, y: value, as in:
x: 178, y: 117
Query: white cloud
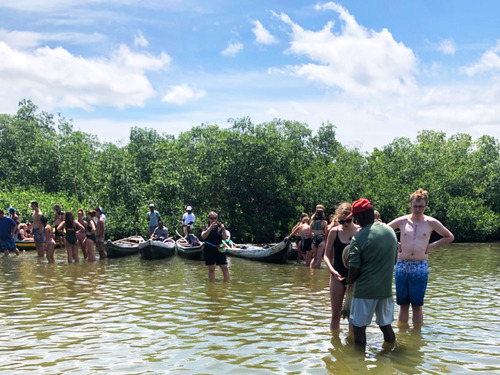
x: 489, y: 61
x: 53, y: 77
x: 182, y: 94
x: 29, y: 39
x: 232, y: 49
x: 140, y: 40
x: 262, y: 36
x: 357, y: 60
x: 447, y: 47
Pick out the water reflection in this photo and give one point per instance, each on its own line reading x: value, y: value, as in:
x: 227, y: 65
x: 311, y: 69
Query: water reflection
x: 133, y: 316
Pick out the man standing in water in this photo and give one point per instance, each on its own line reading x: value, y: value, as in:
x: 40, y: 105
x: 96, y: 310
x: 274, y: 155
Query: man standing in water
x: 412, y: 269
x: 100, y: 228
x: 38, y: 230
x: 7, y: 229
x: 372, y: 256
x: 153, y: 217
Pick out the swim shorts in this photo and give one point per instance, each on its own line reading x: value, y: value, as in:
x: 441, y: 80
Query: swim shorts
x: 38, y: 235
x: 411, y: 281
x: 306, y: 244
x: 9, y: 244
x: 362, y: 310
x: 213, y: 256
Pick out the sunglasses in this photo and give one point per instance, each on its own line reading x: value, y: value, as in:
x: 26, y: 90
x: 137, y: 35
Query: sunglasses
x: 346, y: 221
x: 212, y: 217
x: 421, y: 207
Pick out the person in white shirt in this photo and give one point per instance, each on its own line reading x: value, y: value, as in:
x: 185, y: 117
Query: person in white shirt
x: 188, y: 220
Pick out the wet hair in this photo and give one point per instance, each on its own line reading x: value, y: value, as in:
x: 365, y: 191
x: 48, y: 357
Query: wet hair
x: 44, y: 220
x: 343, y: 209
x: 91, y: 213
x: 420, y: 194
x: 69, y: 219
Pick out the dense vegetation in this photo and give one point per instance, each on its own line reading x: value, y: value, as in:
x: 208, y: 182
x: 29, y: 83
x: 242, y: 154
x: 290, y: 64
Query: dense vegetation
x: 258, y: 177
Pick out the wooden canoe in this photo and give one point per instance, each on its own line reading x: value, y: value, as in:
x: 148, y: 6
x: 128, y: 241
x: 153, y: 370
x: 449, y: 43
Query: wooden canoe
x: 123, y: 247
x: 157, y: 249
x: 277, y: 253
x: 185, y: 250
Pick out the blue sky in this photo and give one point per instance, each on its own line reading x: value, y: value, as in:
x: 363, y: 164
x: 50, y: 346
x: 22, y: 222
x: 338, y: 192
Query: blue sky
x: 376, y: 69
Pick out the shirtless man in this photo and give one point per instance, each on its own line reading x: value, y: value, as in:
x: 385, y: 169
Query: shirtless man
x: 38, y: 230
x: 412, y: 269
x: 99, y: 233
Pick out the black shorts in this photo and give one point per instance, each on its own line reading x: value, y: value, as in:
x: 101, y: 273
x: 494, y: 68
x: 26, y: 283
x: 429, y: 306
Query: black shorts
x: 306, y: 244
x: 212, y: 256
x: 58, y: 234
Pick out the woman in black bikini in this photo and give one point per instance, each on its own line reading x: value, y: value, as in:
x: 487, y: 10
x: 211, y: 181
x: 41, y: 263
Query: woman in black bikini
x: 71, y: 226
x: 319, y: 228
x: 338, y: 238
x: 91, y: 238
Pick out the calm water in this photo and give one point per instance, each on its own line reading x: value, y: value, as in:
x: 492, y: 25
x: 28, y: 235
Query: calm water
x: 131, y: 316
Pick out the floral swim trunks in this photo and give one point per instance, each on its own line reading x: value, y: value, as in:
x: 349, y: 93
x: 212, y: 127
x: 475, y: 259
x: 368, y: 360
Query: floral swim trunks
x: 411, y: 281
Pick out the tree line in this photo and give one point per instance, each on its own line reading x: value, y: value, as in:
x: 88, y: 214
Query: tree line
x: 258, y: 177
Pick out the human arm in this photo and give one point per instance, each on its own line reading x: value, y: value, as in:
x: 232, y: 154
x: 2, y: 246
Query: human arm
x: 446, y: 235
x: 78, y: 225
x: 328, y: 257
x: 354, y: 262
x: 61, y: 226
x: 397, y: 224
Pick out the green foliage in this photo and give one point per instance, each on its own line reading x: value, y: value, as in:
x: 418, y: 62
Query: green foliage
x: 258, y: 177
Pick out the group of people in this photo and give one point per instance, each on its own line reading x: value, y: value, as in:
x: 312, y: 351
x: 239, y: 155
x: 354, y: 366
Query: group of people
x: 373, y: 255
x: 215, y: 235
x: 86, y: 232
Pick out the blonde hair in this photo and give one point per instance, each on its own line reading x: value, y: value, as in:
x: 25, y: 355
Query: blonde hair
x: 343, y: 209
x: 323, y: 215
x: 420, y: 194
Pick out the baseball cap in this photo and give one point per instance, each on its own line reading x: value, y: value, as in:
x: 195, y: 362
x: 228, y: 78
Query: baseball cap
x: 360, y: 205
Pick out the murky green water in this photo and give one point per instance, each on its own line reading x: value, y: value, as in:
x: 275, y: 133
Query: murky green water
x: 130, y: 316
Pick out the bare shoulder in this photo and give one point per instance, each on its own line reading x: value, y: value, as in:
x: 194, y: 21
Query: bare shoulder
x: 398, y: 222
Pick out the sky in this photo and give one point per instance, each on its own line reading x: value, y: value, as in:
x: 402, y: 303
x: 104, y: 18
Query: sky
x: 376, y: 69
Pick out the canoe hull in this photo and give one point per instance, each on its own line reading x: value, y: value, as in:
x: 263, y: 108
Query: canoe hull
x: 190, y: 252
x: 25, y: 245
x: 124, y: 247
x: 273, y: 254
x: 151, y: 250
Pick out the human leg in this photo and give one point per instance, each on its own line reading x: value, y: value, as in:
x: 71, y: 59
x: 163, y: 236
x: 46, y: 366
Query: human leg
x: 49, y: 249
x: 90, y: 249
x: 225, y: 271
x: 337, y: 290
x: 417, y: 286
x: 69, y: 252
x: 100, y: 249
x: 359, y: 335
x: 388, y: 332
x: 211, y: 272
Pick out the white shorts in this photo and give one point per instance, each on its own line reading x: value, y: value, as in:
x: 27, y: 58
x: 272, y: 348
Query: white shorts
x: 362, y: 310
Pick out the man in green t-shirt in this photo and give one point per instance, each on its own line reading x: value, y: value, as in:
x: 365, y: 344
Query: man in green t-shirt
x: 372, y: 256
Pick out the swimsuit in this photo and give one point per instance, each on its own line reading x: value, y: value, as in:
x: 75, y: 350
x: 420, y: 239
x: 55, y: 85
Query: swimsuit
x: 38, y: 235
x: 90, y: 236
x: 411, y: 281
x: 71, y: 235
x: 318, y: 238
x: 338, y: 264
x: 306, y: 244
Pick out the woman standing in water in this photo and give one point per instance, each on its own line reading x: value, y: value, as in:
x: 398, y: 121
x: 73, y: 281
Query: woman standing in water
x: 319, y: 228
x: 71, y: 226
x: 338, y: 238
x: 50, y: 243
x: 90, y: 233
x: 80, y: 234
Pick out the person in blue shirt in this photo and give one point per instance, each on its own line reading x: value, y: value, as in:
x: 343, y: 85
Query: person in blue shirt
x: 7, y: 229
x: 153, y: 217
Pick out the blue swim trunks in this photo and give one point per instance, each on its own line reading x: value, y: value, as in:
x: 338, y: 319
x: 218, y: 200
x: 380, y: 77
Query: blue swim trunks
x: 411, y: 281
x: 8, y: 244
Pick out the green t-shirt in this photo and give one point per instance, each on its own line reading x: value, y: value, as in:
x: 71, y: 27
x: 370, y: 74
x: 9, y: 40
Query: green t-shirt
x: 374, y: 250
